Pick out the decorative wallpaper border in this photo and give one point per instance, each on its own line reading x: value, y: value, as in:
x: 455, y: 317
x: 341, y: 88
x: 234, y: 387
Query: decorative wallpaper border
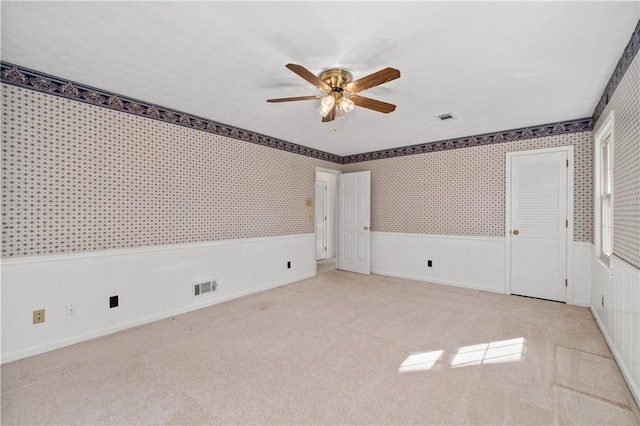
x: 35, y: 80
x: 571, y: 126
x: 629, y: 53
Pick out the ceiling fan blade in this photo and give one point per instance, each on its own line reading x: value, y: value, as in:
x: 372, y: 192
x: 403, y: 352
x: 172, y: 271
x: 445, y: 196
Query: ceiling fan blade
x: 296, y: 98
x: 309, y: 76
x: 331, y: 116
x: 373, y: 104
x: 372, y: 80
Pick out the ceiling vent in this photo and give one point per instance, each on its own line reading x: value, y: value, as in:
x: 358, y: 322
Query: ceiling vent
x: 446, y: 117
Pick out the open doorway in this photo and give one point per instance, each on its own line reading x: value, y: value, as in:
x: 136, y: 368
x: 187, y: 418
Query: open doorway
x: 326, y: 218
x: 321, y: 217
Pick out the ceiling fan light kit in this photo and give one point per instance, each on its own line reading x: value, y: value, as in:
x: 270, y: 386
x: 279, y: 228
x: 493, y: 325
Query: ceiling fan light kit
x: 326, y: 105
x: 346, y: 104
x: 341, y: 91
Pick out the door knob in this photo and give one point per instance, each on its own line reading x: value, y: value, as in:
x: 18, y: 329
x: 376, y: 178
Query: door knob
x: 366, y: 228
x: 516, y: 232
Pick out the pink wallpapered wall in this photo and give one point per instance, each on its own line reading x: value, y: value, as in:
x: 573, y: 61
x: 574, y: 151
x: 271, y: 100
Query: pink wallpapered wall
x: 77, y: 177
x: 462, y: 191
x: 625, y: 103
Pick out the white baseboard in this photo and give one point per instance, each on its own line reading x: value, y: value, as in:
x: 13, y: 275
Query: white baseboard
x: 580, y: 303
x: 628, y: 377
x: 615, y: 304
x: 465, y: 261
x: 110, y: 330
x: 460, y: 284
x: 468, y: 262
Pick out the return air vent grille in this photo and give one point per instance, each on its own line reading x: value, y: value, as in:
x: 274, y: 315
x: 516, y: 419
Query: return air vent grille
x: 204, y: 288
x: 446, y: 117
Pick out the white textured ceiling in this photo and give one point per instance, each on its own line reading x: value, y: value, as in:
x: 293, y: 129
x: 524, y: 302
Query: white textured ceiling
x: 495, y: 66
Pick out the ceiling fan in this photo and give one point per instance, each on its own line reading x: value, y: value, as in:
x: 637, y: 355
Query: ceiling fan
x: 341, y: 91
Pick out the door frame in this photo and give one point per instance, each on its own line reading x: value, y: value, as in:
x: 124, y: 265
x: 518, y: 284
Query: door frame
x: 336, y: 209
x: 569, y: 149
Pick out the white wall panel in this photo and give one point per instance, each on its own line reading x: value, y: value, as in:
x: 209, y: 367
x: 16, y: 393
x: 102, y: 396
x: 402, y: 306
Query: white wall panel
x: 619, y: 319
x: 471, y: 262
x: 580, y: 286
x: 152, y: 283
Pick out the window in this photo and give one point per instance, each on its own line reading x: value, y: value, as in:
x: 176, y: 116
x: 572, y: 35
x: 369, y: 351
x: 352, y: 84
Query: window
x: 604, y: 188
x: 606, y: 208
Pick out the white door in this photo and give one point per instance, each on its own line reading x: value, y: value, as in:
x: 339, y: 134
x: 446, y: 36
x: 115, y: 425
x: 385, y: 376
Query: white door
x: 321, y: 220
x: 538, y: 222
x: 354, y: 191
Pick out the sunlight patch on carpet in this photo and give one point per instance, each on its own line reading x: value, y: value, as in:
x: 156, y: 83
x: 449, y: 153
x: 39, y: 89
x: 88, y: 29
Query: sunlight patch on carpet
x: 489, y: 353
x: 420, y: 361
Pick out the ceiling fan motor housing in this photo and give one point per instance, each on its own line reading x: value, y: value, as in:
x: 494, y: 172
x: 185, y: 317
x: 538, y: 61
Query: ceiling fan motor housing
x: 336, y: 78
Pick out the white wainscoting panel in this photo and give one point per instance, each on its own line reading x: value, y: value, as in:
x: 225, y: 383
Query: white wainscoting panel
x: 470, y: 262
x: 151, y: 283
x: 580, y: 285
x: 619, y: 318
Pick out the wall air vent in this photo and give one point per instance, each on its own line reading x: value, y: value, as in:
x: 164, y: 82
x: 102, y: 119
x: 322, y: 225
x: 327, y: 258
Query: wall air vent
x: 201, y: 289
x: 446, y: 117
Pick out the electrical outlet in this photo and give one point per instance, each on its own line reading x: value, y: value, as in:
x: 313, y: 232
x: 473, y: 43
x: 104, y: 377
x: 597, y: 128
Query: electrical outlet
x: 71, y: 310
x: 38, y: 316
x: 429, y: 263
x: 602, y: 301
x: 113, y: 302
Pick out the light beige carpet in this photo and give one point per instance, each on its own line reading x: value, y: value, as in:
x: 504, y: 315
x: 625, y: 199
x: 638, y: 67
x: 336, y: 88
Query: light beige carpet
x: 340, y: 348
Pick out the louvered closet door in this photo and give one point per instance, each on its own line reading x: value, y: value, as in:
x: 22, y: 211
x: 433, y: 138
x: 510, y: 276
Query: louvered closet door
x: 538, y: 225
